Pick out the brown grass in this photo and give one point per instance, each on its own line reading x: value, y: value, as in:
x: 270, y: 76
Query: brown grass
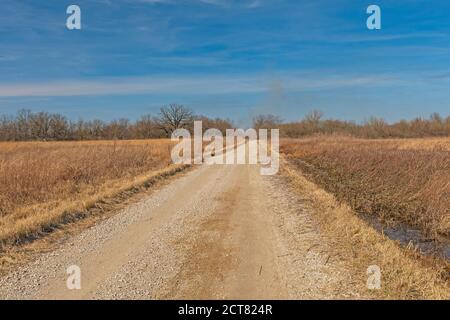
x: 396, y: 180
x: 405, y: 274
x: 43, y: 184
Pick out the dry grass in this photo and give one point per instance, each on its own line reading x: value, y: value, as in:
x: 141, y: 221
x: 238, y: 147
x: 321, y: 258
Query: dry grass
x: 397, y: 180
x: 404, y: 273
x: 43, y: 184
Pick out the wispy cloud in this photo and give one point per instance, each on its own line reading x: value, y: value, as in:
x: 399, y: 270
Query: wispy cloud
x: 191, y: 85
x: 213, y: 2
x: 155, y: 1
x: 223, y: 3
x: 255, y: 4
x: 8, y: 58
x: 385, y: 37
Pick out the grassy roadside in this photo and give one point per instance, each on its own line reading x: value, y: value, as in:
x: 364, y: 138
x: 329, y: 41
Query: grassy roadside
x: 49, y: 188
x: 17, y: 229
x: 396, y: 181
x: 44, y: 185
x: 405, y: 274
x: 43, y: 234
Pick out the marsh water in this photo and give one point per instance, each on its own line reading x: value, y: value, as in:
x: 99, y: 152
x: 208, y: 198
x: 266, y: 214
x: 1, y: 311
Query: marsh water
x: 408, y: 236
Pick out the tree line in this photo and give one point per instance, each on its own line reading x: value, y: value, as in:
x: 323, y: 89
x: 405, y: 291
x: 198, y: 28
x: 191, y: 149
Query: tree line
x: 314, y: 123
x: 44, y: 126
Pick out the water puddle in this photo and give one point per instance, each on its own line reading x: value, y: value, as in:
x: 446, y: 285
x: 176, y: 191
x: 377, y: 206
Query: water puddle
x: 406, y: 235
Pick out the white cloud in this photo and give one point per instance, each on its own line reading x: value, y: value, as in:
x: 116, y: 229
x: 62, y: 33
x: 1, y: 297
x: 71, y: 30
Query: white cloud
x: 155, y: 1
x: 255, y: 4
x: 190, y: 85
x: 224, y: 3
x: 8, y: 58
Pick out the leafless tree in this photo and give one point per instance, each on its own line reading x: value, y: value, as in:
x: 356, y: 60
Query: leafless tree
x: 314, y: 117
x: 147, y: 128
x: 58, y: 127
x: 118, y: 129
x: 23, y: 124
x: 266, y: 121
x: 174, y: 117
x: 40, y: 125
x: 27, y: 125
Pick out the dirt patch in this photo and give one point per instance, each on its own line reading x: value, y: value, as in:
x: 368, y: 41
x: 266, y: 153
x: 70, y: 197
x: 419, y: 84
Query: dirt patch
x: 208, y: 253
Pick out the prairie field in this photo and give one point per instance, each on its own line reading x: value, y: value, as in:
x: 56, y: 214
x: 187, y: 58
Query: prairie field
x: 45, y: 186
x: 395, y: 180
x: 41, y: 183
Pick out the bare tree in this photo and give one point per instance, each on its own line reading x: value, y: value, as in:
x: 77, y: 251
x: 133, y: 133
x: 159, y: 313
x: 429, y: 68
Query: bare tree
x: 27, y: 125
x: 376, y: 128
x: 314, y: 117
x: 40, y: 125
x: 23, y: 124
x: 266, y: 121
x: 8, y: 130
x: 96, y: 129
x: 214, y: 123
x: 147, y: 128
x: 118, y: 129
x: 174, y: 117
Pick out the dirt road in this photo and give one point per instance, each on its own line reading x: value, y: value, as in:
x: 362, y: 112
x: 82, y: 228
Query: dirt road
x: 216, y: 232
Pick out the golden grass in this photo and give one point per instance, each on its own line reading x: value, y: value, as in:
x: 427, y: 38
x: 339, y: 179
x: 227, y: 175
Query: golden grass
x: 404, y: 273
x: 43, y: 184
x: 396, y: 180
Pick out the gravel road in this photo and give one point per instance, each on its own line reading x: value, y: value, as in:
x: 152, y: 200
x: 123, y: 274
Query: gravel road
x: 221, y: 231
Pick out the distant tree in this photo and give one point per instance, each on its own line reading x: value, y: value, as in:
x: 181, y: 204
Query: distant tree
x: 174, y: 117
x: 59, y: 127
x: 375, y: 128
x: 8, y: 130
x: 23, y: 124
x: 266, y: 121
x: 147, y: 127
x: 96, y: 129
x: 118, y: 129
x: 312, y: 122
x: 314, y: 117
x: 40, y: 125
x: 208, y: 123
x: 27, y: 125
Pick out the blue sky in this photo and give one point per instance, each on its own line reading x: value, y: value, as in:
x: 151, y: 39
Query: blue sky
x: 227, y: 58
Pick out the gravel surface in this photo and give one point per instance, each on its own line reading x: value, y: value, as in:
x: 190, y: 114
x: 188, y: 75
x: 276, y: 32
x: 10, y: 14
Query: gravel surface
x: 216, y: 232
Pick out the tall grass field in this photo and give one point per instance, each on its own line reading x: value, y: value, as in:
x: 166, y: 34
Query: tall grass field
x: 42, y: 183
